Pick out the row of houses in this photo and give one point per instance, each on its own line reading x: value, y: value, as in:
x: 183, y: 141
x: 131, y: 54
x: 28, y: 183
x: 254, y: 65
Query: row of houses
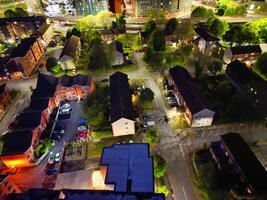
x: 18, y: 148
x: 234, y: 157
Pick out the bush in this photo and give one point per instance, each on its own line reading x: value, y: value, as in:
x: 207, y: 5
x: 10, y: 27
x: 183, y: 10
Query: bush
x: 202, y: 12
x: 147, y: 95
x: 163, y: 189
x: 151, y: 136
x: 160, y: 166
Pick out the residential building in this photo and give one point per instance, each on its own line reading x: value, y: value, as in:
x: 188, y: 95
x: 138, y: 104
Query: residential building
x: 19, y: 145
x: 90, y: 7
x: 116, y: 6
x: 68, y: 194
x: 245, y: 166
x: 45, y: 31
x: 121, y: 109
x: 248, y: 84
x: 247, y: 54
x: 198, y: 112
x: 204, y: 40
x: 124, y: 167
x: 4, y: 97
x: 142, y: 8
x: 18, y: 148
x: 14, y: 28
x: 7, y: 187
x: 25, y: 58
x: 70, y: 53
x: 117, y: 49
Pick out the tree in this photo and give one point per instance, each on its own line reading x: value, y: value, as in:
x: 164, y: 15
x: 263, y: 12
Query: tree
x: 260, y: 67
x: 247, y: 35
x: 10, y: 13
x: 235, y: 9
x: 104, y: 19
x: 136, y: 42
x: 202, y: 12
x: 149, y: 27
x: 2, y: 48
x: 160, y: 166
x: 171, y: 26
x: 216, y: 26
x: 73, y: 31
x: 98, y: 55
x: 184, y: 31
x: 121, y: 22
x: 52, y: 64
x: 162, y: 189
x: 151, y: 136
x: 214, y: 66
x: 157, y: 14
x: 85, y: 24
x: 232, y: 34
x: 147, y: 95
x: 157, y: 40
x: 20, y: 12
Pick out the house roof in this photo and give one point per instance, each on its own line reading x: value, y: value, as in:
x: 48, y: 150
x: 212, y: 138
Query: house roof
x: 39, y: 104
x: 205, y: 34
x: 127, y: 165
x: 43, y: 93
x: 117, y: 46
x: 79, y: 79
x: 23, y: 47
x: 191, y: 93
x: 16, y: 142
x: 43, y: 28
x: 70, y: 194
x: 29, y: 119
x: 120, y: 98
x: 46, y: 82
x: 36, y: 20
x: 2, y: 88
x: 246, y: 49
x: 238, y: 72
x: 249, y: 164
x: 71, y: 46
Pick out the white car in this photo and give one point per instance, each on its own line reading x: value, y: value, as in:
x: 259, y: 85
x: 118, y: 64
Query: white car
x: 81, y: 128
x: 51, y: 160
x: 65, y: 108
x: 57, y: 157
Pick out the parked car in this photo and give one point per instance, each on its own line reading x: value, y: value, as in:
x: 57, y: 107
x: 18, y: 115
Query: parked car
x: 65, y: 107
x: 51, y: 160
x: 55, y: 137
x: 82, y: 127
x: 57, y: 157
x: 59, y: 129
x: 50, y: 171
x: 63, y: 116
x: 148, y: 121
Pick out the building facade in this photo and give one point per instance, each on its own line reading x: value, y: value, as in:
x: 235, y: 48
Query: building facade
x: 197, y: 109
x: 7, y: 187
x: 142, y: 8
x: 4, y: 97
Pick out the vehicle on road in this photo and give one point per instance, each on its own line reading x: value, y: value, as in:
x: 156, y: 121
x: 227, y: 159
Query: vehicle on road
x: 65, y: 107
x: 57, y: 157
x: 82, y: 127
x: 51, y: 160
x: 50, y: 171
x: 148, y: 121
x: 56, y: 137
x: 59, y: 129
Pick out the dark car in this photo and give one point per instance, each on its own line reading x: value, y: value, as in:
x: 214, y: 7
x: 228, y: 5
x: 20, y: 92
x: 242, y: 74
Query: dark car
x: 50, y: 171
x: 55, y: 137
x: 59, y: 129
x: 63, y: 116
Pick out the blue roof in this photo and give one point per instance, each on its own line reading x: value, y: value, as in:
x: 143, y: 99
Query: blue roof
x: 128, y: 164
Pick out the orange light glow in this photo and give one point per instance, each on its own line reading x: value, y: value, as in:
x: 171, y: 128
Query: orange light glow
x: 16, y: 163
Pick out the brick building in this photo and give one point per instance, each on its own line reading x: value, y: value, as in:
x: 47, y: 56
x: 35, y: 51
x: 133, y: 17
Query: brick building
x: 4, y: 97
x: 7, y: 187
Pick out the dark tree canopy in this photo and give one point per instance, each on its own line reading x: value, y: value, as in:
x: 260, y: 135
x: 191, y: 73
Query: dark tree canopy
x: 147, y: 95
x: 171, y: 26
x: 73, y: 31
x: 160, y: 166
x: 121, y: 22
x: 149, y: 27
x: 261, y: 66
x: 202, y: 12
x: 157, y: 40
x: 51, y: 62
x: 216, y: 26
x: 10, y: 13
x: 18, y: 12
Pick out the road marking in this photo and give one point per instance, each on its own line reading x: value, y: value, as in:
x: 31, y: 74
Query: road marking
x: 203, y: 133
x: 184, y: 193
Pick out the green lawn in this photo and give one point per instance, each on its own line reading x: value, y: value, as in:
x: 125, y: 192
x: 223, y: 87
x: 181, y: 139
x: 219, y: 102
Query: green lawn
x: 102, y: 134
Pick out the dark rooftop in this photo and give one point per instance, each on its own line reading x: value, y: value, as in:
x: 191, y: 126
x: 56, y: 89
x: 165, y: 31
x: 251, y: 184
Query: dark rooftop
x: 79, y: 79
x: 46, y: 82
x: 205, y: 35
x: 43, y: 93
x: 68, y: 194
x: 191, y: 93
x: 29, y: 119
x: 43, y: 28
x: 249, y: 164
x: 246, y: 49
x: 120, y: 97
x: 35, y: 19
x: 238, y: 72
x: 2, y: 88
x: 117, y: 46
x: 128, y: 164
x: 16, y: 142
x: 39, y: 104
x: 71, y: 46
x: 2, y: 177
x: 23, y: 47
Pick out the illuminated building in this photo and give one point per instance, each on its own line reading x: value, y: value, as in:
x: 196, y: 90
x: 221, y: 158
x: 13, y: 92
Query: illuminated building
x: 7, y: 187
x: 197, y: 109
x: 4, y: 97
x: 121, y: 111
x: 141, y: 8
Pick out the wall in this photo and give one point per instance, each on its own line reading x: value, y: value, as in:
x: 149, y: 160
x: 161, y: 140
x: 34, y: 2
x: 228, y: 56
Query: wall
x: 123, y: 127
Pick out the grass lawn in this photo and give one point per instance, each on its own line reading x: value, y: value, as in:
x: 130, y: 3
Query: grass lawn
x: 5, y: 6
x: 102, y: 134
x: 95, y: 149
